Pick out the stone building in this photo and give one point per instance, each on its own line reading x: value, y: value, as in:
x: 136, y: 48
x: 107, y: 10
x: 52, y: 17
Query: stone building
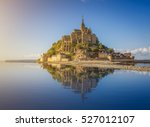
x: 60, y: 57
x: 81, y: 35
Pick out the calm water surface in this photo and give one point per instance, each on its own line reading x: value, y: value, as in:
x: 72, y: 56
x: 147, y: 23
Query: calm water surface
x: 144, y: 64
x: 32, y: 86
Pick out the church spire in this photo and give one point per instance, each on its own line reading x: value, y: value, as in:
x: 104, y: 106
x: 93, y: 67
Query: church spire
x: 82, y: 24
x: 82, y: 19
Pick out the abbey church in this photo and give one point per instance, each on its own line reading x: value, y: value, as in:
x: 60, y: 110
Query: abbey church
x: 81, y: 35
x: 82, y: 45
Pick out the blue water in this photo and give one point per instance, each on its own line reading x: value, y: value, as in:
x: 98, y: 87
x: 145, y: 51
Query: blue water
x: 144, y: 64
x: 32, y: 86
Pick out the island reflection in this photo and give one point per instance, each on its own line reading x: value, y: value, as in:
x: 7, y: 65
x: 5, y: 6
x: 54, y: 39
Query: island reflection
x: 80, y: 79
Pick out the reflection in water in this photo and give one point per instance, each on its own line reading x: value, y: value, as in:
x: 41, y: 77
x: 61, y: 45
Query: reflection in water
x: 27, y: 86
x: 80, y: 79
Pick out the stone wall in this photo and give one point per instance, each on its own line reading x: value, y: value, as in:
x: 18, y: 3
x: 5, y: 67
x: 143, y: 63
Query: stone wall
x: 58, y: 58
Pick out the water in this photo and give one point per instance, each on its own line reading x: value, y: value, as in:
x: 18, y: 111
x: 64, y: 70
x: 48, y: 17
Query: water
x: 144, y: 64
x: 32, y: 86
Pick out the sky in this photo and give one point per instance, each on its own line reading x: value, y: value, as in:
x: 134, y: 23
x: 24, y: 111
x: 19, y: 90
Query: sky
x: 29, y: 27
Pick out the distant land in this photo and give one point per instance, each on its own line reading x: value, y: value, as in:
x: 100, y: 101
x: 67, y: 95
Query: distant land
x: 20, y: 61
x: 142, y: 61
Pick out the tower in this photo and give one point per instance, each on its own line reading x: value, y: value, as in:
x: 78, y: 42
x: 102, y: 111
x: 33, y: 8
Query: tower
x: 82, y: 27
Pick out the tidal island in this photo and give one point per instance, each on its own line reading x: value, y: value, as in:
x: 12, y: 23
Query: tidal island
x: 82, y: 47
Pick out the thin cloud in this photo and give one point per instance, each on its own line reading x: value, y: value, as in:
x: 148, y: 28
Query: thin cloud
x: 141, y: 50
x: 145, y: 50
x: 140, y: 53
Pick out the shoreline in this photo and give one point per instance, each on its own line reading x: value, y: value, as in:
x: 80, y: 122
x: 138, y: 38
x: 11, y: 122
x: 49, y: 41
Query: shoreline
x: 142, y: 61
x: 19, y: 61
x: 95, y: 63
x: 103, y: 64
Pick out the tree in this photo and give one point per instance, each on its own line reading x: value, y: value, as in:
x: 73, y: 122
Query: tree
x: 110, y: 50
x: 51, y: 51
x: 79, y: 46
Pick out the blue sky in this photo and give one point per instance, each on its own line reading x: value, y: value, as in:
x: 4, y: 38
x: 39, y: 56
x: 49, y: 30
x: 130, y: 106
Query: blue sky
x: 29, y: 27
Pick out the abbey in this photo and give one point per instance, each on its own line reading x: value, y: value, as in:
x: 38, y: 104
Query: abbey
x: 82, y: 35
x: 82, y: 45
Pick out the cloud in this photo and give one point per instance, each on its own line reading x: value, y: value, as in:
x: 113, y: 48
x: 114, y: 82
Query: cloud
x: 140, y: 53
x: 137, y: 51
x: 141, y: 50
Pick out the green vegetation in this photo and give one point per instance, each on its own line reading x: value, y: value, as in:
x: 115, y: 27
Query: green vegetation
x: 55, y: 48
x: 92, y: 49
